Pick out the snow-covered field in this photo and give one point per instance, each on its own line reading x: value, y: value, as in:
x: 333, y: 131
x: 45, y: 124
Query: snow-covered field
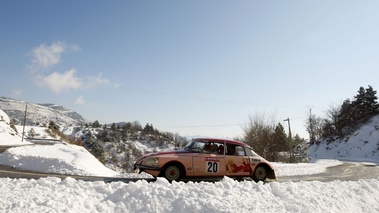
x: 70, y: 195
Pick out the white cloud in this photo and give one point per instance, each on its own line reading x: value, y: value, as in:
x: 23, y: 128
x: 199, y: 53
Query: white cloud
x: 68, y: 81
x: 94, y: 81
x: 80, y: 101
x: 45, y: 56
x: 60, y: 82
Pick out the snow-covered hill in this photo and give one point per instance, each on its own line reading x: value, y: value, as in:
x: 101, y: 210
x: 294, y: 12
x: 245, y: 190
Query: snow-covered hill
x: 116, y: 153
x: 8, y: 135
x: 39, y: 114
x: 362, y: 145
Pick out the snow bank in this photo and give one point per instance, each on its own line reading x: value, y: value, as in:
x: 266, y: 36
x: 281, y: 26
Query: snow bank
x: 8, y: 136
x: 69, y: 195
x: 57, y: 158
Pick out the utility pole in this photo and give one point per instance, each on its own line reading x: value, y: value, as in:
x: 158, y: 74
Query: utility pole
x: 290, y: 145
x: 23, y: 129
x: 311, y: 131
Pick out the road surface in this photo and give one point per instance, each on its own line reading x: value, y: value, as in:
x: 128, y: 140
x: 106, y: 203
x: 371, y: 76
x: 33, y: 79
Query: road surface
x: 346, y: 171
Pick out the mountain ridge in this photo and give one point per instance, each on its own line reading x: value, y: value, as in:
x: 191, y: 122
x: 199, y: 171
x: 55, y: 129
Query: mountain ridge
x: 39, y: 114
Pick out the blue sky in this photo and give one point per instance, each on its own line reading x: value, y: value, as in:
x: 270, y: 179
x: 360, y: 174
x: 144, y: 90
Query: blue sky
x: 189, y: 67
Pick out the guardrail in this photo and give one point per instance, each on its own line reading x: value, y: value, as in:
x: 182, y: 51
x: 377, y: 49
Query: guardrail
x: 44, y: 140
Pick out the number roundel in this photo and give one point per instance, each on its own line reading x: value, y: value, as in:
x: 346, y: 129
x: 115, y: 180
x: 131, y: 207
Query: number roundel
x: 212, y: 167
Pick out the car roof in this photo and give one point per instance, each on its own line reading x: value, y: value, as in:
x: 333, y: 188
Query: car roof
x: 222, y: 140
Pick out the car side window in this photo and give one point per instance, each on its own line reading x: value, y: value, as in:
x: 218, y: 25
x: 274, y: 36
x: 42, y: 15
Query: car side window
x: 197, y: 146
x: 240, y: 151
x: 221, y: 149
x: 230, y: 149
x: 250, y: 152
x: 207, y: 148
x: 213, y: 148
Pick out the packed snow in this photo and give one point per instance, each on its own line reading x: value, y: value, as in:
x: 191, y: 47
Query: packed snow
x: 69, y: 195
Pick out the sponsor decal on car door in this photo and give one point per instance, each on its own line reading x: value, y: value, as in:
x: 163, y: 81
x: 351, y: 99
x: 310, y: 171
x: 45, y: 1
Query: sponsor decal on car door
x: 209, y: 165
x: 237, y: 165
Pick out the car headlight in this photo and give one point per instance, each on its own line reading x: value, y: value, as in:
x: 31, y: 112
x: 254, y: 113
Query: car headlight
x: 151, y: 162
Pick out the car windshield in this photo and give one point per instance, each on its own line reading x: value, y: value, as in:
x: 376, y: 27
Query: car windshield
x: 250, y: 152
x: 194, y: 146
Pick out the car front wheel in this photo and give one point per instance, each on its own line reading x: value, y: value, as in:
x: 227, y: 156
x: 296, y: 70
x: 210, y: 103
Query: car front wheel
x: 260, y: 174
x: 172, y: 173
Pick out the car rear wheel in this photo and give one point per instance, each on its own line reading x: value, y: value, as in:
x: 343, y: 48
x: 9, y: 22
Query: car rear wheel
x: 260, y: 174
x: 172, y: 173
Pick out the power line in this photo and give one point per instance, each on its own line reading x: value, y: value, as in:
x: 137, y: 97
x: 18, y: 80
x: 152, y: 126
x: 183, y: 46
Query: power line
x: 201, y: 126
x: 205, y: 98
x: 216, y: 125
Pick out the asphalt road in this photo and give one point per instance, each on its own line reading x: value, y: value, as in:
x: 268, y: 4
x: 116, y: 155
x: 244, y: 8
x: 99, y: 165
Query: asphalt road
x: 345, y: 172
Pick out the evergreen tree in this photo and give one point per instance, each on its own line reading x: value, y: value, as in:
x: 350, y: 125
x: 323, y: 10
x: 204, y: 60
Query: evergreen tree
x: 373, y: 105
x: 280, y: 138
x: 113, y: 127
x: 96, y: 147
x: 362, y: 108
x: 359, y: 105
x: 351, y: 114
x: 104, y: 135
x: 52, y: 126
x: 327, y: 129
x: 300, y: 149
x: 96, y: 124
x: 365, y: 104
x: 148, y: 129
x: 279, y: 142
x: 31, y: 133
x: 345, y: 117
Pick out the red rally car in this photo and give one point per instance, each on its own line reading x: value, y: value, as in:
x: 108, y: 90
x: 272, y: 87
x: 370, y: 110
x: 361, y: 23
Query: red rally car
x: 207, y: 158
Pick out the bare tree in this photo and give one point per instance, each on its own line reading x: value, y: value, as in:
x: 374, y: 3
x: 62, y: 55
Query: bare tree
x: 332, y: 113
x: 314, y: 126
x: 258, y: 134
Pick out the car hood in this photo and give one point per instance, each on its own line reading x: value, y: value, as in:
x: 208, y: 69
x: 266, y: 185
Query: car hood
x: 165, y: 153
x: 170, y: 152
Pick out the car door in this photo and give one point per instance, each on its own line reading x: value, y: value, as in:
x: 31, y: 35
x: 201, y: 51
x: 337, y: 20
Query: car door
x: 210, y: 164
x: 237, y: 163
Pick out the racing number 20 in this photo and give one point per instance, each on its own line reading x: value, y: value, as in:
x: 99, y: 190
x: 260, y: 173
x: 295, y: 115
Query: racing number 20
x: 212, y: 167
